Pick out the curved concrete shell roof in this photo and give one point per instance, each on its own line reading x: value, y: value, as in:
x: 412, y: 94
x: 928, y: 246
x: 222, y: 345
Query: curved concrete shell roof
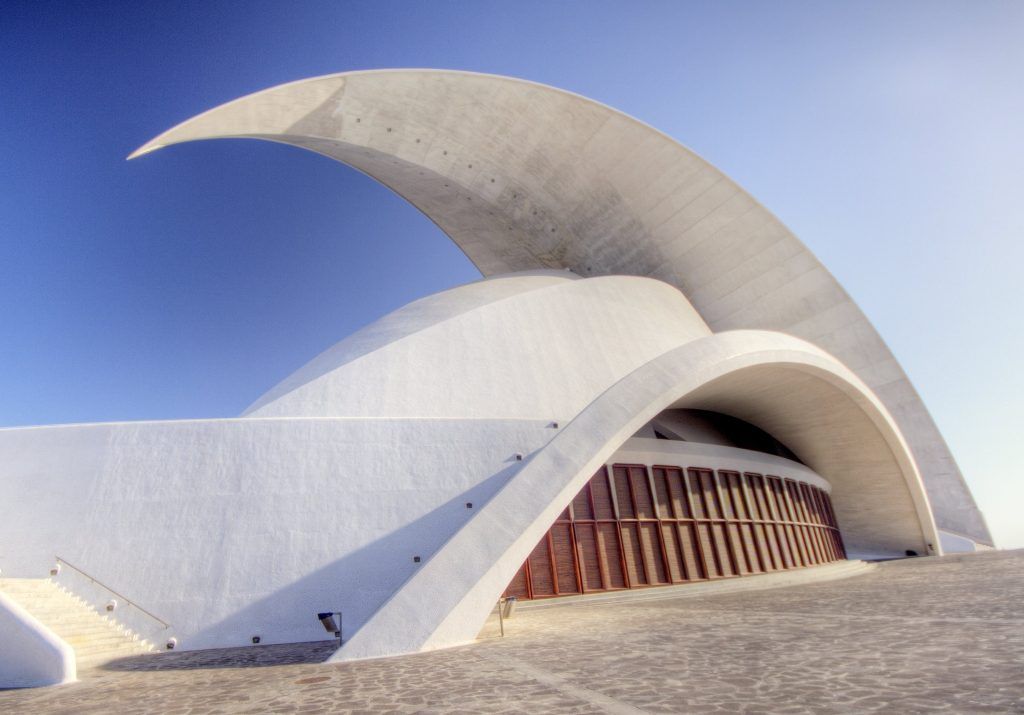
x: 524, y: 176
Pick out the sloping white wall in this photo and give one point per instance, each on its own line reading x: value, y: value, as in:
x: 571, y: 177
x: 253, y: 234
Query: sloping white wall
x: 446, y: 602
x: 233, y: 528
x: 31, y: 655
x: 541, y: 352
x: 524, y: 176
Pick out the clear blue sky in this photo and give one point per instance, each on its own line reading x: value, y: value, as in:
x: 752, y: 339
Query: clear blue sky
x: 887, y: 135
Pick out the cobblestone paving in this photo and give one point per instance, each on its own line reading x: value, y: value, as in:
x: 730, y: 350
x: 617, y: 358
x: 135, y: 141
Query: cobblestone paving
x: 922, y: 635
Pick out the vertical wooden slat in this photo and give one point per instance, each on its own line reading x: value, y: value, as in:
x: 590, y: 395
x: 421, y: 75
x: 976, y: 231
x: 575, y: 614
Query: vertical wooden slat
x: 708, y: 550
x: 695, y: 491
x: 750, y: 549
x: 540, y: 570
x: 564, y: 559
x: 677, y: 489
x: 654, y: 563
x: 590, y: 565
x: 721, y: 541
x: 518, y: 586
x: 662, y: 497
x: 581, y: 508
x: 633, y: 553
x: 602, y: 498
x: 623, y: 493
x: 641, y: 490
x: 670, y: 539
x: 732, y: 529
x: 609, y: 551
x: 690, y: 551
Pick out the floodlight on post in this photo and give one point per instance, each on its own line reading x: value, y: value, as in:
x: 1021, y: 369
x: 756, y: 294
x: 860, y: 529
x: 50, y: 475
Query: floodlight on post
x: 330, y: 624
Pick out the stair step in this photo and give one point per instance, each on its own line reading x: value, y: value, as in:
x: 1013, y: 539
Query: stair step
x: 95, y: 637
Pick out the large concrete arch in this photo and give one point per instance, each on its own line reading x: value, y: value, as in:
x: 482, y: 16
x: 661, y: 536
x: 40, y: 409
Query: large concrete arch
x: 446, y: 601
x: 524, y: 176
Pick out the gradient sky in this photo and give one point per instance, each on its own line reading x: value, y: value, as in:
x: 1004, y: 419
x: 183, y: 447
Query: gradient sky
x: 887, y: 135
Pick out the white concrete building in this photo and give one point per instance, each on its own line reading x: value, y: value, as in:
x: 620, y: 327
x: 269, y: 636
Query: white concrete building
x: 655, y: 383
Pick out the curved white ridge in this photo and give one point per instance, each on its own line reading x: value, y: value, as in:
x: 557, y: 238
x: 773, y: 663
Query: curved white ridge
x: 879, y: 497
x: 525, y: 176
x: 410, y: 318
x: 536, y: 348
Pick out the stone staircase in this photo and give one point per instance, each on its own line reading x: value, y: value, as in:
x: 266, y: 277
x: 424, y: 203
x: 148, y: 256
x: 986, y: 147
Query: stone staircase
x: 96, y: 639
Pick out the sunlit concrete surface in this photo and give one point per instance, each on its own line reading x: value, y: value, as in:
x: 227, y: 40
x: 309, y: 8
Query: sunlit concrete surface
x: 920, y: 635
x: 523, y: 177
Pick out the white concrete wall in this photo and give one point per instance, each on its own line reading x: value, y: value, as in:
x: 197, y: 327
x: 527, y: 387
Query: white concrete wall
x: 31, y: 655
x: 233, y: 528
x: 524, y: 176
x: 446, y: 602
x: 542, y: 348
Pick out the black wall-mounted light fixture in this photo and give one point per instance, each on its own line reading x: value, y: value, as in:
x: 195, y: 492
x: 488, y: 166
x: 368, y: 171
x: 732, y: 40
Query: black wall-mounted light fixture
x: 330, y: 624
x: 255, y: 640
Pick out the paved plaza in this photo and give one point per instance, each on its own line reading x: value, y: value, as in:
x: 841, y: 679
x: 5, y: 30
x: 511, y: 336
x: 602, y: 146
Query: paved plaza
x: 921, y: 635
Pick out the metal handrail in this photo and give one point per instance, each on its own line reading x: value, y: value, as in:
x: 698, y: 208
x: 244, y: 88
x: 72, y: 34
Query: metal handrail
x: 124, y: 598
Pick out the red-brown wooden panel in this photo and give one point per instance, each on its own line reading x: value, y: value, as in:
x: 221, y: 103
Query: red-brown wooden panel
x: 819, y: 539
x: 795, y: 549
x: 812, y: 553
x: 736, y: 546
x: 756, y: 483
x: 581, y: 505
x: 623, y: 495
x: 826, y: 550
x: 696, y: 493
x: 782, y: 541
x: 809, y: 505
x: 611, y: 555
x: 690, y: 551
x: 661, y: 493
x: 750, y: 549
x: 795, y: 504
x: 777, y: 499
x: 721, y: 539
x: 769, y: 549
x: 739, y: 501
x: 838, y: 535
x: 708, y: 550
x: 565, y: 558
x: 670, y: 538
x: 603, y: 508
x: 831, y: 513
x: 728, y: 504
x: 731, y: 526
x: 540, y: 570
x: 641, y: 492
x: 586, y: 554
x: 633, y: 554
x: 519, y: 587
x: 680, y: 499
x: 709, y: 488
x: 654, y: 561
x: 816, y: 547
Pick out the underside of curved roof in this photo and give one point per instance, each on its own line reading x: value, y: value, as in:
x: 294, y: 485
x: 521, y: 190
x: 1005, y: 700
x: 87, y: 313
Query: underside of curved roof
x: 524, y: 176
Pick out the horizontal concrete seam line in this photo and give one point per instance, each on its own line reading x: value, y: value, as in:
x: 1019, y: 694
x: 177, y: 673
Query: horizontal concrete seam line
x: 604, y: 702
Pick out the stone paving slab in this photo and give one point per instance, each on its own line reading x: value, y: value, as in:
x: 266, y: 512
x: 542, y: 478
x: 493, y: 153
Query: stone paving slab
x: 921, y: 635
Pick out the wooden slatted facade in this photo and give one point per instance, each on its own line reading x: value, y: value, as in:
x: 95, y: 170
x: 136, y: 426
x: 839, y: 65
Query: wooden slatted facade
x: 632, y: 527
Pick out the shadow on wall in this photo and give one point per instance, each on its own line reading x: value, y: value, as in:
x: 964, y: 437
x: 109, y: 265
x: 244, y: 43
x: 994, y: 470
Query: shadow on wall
x: 354, y: 584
